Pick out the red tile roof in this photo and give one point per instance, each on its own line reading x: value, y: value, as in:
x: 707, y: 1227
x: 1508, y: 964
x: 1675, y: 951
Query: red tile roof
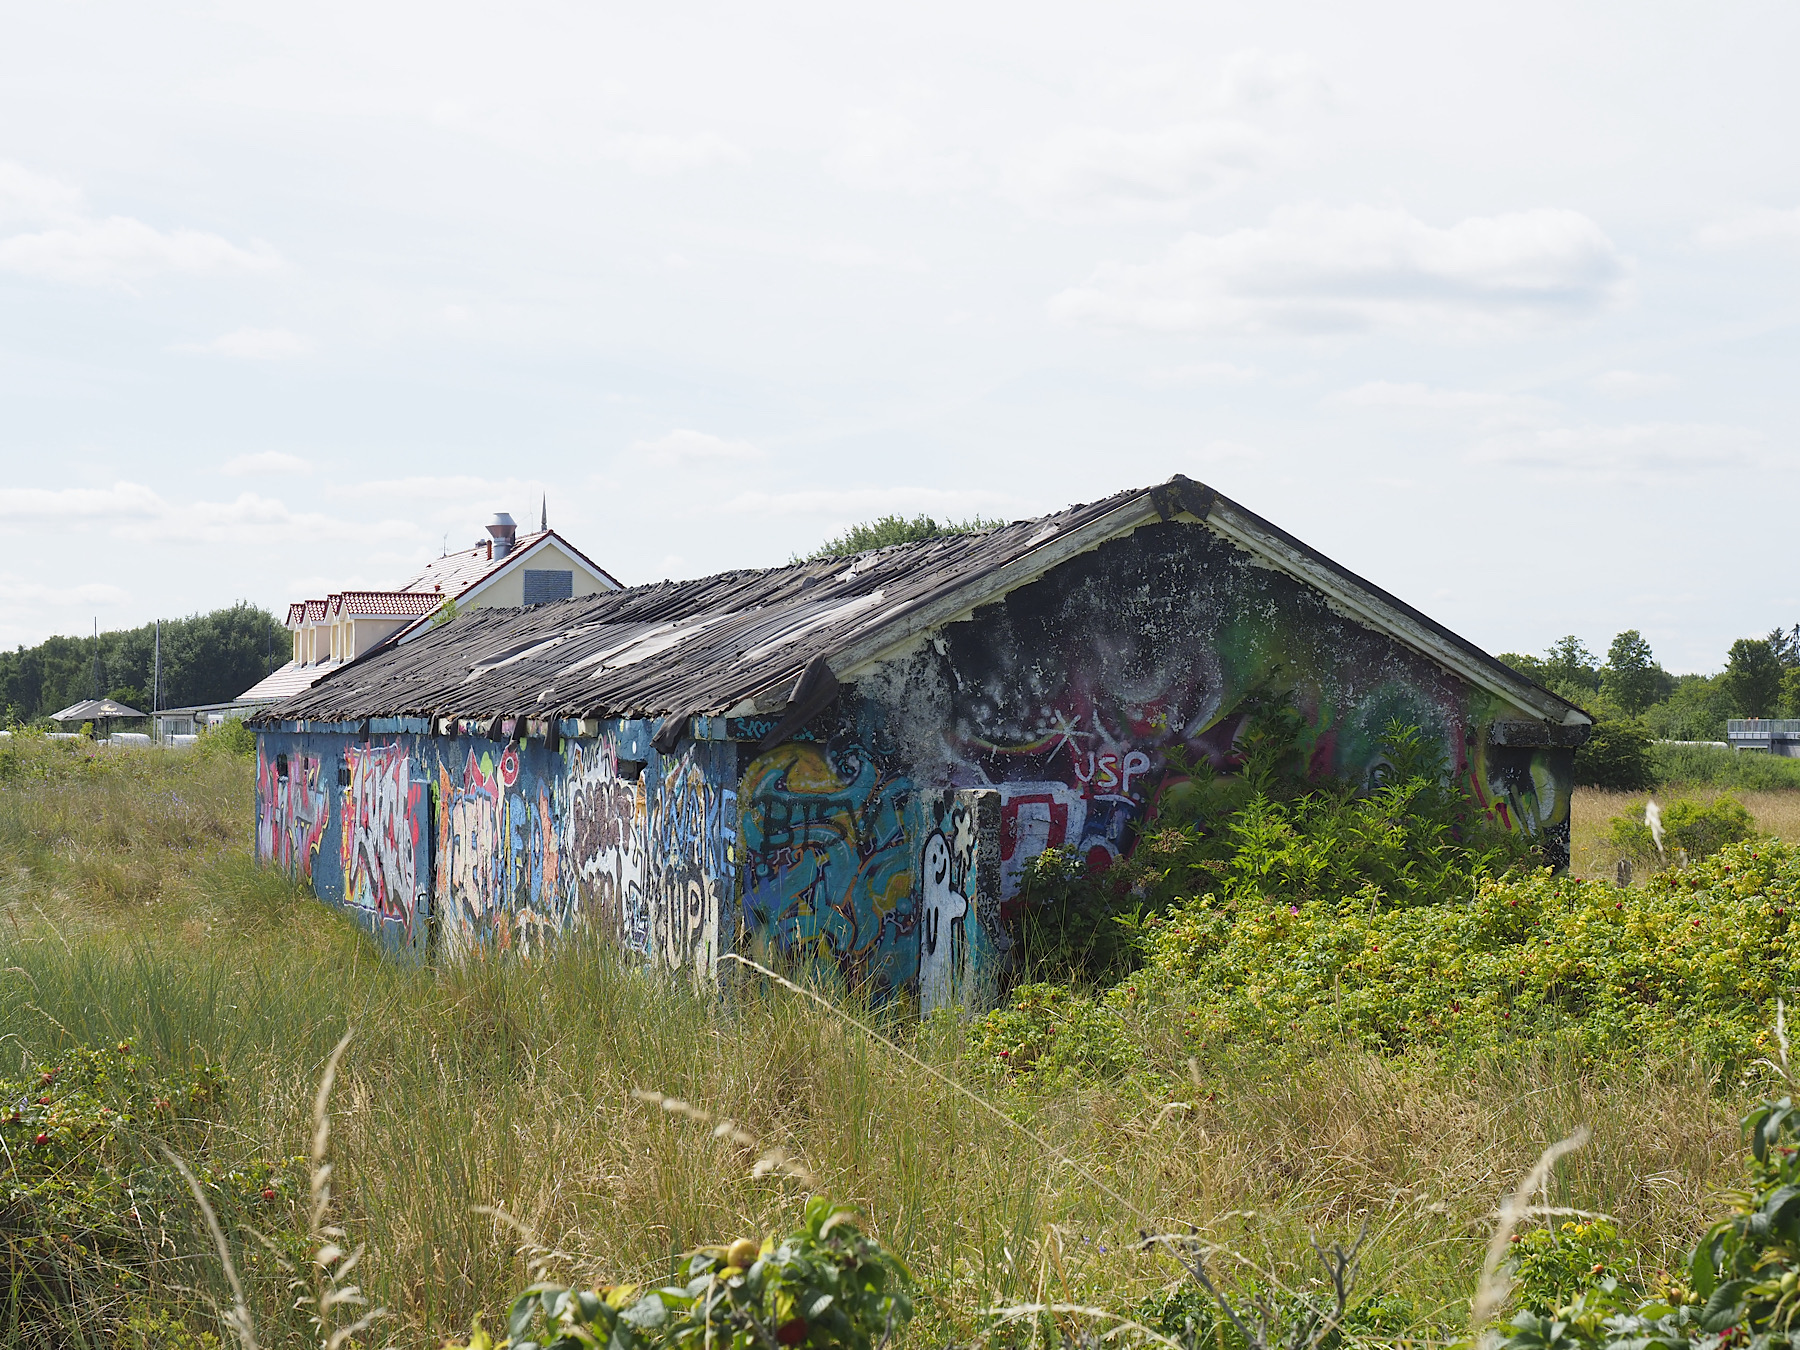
x: 388, y: 604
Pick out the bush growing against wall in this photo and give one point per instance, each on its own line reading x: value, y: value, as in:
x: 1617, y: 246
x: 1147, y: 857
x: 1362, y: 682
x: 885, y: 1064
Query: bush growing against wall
x: 1688, y: 963
x: 230, y: 737
x: 1616, y: 755
x: 1264, y: 830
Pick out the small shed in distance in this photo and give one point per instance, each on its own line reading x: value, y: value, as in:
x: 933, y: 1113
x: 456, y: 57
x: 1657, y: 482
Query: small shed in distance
x: 853, y: 759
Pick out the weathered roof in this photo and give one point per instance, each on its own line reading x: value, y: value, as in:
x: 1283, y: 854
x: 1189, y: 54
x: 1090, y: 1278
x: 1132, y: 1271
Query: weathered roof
x: 739, y: 641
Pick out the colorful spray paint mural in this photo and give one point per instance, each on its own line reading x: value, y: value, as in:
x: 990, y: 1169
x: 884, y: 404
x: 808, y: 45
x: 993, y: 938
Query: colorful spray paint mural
x: 690, y: 836
x: 1080, y: 696
x: 963, y: 940
x: 500, y: 874
x: 828, y: 871
x: 890, y: 836
x: 292, y: 811
x: 384, y: 829
x: 607, y: 834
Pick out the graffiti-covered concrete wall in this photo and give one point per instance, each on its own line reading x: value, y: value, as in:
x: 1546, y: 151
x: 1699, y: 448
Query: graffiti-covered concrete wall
x: 464, y: 841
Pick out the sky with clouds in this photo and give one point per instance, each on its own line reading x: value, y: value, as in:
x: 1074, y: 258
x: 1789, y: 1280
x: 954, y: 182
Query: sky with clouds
x: 1490, y: 303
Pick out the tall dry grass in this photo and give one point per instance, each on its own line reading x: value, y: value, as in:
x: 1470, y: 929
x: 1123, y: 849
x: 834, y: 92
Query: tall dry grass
x: 508, y: 1086
x: 1594, y: 809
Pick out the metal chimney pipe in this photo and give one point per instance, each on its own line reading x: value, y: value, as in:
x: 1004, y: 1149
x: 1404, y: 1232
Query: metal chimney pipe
x: 504, y: 532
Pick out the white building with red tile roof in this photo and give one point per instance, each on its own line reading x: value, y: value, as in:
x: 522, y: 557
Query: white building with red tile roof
x: 505, y: 570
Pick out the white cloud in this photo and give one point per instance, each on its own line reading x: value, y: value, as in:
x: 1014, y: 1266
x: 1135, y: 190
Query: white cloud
x: 1257, y: 81
x: 1642, y: 453
x: 658, y: 154
x: 848, y: 505
x: 18, y: 592
x: 135, y: 512
x: 265, y: 462
x: 119, y: 249
x: 682, y: 446
x: 1385, y: 394
x: 1629, y: 383
x: 1316, y: 269
x: 254, y: 344
x: 1765, y: 226
x: 32, y: 198
x: 839, y: 254
x: 1140, y: 173
x: 50, y: 507
x: 1201, y: 372
x: 885, y: 151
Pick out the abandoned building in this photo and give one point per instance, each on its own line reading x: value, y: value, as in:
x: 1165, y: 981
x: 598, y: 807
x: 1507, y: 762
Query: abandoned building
x: 853, y: 759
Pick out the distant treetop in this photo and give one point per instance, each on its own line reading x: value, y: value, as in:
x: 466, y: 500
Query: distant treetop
x: 888, y: 530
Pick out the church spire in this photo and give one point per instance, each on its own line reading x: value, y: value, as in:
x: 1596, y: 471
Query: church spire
x: 544, y: 514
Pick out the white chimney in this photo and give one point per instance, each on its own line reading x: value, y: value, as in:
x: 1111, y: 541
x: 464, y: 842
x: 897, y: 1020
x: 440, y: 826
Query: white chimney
x: 504, y: 532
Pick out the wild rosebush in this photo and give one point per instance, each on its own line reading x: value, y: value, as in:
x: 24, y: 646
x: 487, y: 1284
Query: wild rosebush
x: 1691, y: 830
x: 1264, y: 834
x: 1552, y: 1265
x: 1690, y: 963
x: 1741, y: 1286
x: 825, y: 1287
x: 91, y: 1200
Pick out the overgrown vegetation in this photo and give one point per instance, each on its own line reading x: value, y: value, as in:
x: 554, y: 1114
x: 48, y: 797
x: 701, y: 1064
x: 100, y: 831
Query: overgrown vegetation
x: 485, y: 1134
x: 1265, y: 912
x: 885, y: 531
x: 1268, y: 833
x: 824, y: 1286
x: 1690, y: 831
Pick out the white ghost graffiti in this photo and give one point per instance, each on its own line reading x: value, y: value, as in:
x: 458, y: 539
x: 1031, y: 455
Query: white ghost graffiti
x: 941, y: 940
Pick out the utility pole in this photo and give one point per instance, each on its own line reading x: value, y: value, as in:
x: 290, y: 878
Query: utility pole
x: 96, y: 656
x: 156, y: 677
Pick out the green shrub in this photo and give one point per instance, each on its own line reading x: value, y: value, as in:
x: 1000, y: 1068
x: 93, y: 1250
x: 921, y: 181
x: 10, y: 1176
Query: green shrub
x: 1268, y: 832
x: 1741, y: 1285
x: 91, y: 1198
x: 1691, y: 830
x: 230, y: 737
x: 1050, y: 1030
x: 1720, y: 766
x: 826, y: 1287
x: 1616, y: 755
x: 1552, y: 1265
x: 1688, y: 964
x: 1075, y: 926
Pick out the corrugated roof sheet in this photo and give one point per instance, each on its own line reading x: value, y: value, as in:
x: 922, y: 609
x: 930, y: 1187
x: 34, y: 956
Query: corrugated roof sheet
x: 708, y: 645
x: 286, y: 681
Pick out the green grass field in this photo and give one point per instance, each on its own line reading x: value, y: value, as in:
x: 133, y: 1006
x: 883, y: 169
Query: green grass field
x: 133, y: 914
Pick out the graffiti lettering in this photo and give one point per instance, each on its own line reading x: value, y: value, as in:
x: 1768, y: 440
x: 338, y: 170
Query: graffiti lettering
x: 381, y: 824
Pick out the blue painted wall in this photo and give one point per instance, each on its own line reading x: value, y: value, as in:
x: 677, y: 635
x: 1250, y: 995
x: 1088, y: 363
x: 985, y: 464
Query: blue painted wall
x: 465, y: 841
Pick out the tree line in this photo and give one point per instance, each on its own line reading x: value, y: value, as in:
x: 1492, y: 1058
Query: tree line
x: 206, y: 658
x: 1634, y: 701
